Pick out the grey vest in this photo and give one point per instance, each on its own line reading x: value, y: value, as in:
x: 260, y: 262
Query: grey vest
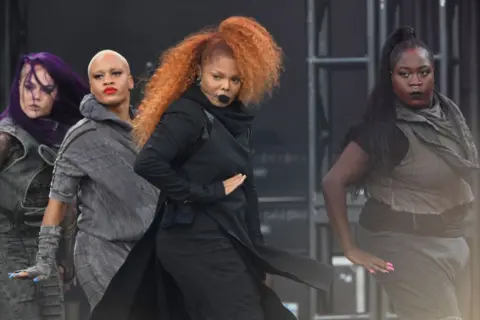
x: 36, y: 162
x: 422, y: 183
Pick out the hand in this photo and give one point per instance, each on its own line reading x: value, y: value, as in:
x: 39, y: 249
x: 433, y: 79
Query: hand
x: 368, y: 261
x: 39, y: 272
x: 48, y: 239
x: 233, y: 183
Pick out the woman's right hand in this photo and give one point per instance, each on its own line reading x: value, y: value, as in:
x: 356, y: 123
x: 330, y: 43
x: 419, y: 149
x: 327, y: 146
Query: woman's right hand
x: 38, y: 272
x: 370, y: 262
x: 231, y: 184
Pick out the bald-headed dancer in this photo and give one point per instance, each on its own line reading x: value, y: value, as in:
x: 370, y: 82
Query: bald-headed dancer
x: 95, y: 164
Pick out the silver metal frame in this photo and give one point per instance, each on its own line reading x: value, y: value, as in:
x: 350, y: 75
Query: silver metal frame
x: 444, y: 62
x: 472, y: 20
x: 6, y: 58
x: 14, y: 42
x: 312, y: 149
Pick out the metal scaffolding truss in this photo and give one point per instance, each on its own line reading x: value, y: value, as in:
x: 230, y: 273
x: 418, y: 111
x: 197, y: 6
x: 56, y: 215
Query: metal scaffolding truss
x: 14, y: 40
x: 382, y: 16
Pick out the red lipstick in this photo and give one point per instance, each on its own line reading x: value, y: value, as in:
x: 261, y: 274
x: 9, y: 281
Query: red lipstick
x: 110, y: 90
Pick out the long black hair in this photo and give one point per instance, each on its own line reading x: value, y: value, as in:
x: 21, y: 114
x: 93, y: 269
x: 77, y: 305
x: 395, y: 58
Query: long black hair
x: 378, y: 121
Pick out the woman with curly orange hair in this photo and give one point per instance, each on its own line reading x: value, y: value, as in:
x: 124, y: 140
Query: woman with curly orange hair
x: 193, y: 129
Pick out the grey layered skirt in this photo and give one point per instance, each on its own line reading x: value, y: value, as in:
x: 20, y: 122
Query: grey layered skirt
x: 96, y: 262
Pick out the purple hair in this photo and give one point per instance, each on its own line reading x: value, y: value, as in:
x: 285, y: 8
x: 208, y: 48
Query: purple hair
x: 49, y: 130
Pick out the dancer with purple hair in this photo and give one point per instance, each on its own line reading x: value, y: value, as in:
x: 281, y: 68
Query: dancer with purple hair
x: 44, y: 104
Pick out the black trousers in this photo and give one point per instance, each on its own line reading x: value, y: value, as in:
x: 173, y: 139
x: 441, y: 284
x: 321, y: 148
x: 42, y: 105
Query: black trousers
x: 210, y: 273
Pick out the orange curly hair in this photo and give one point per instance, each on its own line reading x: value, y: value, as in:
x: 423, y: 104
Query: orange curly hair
x: 258, y: 57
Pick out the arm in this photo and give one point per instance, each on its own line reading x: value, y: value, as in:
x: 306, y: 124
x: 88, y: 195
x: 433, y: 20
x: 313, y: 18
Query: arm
x: 54, y: 213
x: 63, y: 188
x: 179, y: 129
x: 351, y: 166
x: 48, y: 242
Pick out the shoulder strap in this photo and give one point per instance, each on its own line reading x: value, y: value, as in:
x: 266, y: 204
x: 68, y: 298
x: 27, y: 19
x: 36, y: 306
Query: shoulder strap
x: 7, y: 125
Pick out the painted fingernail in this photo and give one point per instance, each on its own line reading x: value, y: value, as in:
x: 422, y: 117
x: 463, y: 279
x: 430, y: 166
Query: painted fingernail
x: 371, y: 271
x: 389, y: 264
x: 35, y: 280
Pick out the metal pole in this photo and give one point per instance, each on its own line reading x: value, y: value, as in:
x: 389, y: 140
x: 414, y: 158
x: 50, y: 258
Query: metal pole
x: 383, y: 20
x: 335, y: 61
x: 6, y: 55
x: 312, y: 149
x: 443, y: 47
x: 371, y: 43
x: 353, y: 317
x: 474, y: 113
x: 418, y: 18
x: 373, y: 288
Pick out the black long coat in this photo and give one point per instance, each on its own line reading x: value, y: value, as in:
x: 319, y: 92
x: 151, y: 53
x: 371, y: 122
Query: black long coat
x: 142, y: 289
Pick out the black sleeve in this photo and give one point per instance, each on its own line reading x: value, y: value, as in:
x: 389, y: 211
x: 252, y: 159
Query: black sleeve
x: 399, y: 142
x: 359, y: 135
x: 253, y: 214
x: 178, y: 130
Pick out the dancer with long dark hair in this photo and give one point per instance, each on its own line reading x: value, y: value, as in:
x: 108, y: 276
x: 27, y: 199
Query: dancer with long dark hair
x: 414, y: 155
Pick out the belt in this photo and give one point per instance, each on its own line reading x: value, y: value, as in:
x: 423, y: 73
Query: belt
x: 377, y: 216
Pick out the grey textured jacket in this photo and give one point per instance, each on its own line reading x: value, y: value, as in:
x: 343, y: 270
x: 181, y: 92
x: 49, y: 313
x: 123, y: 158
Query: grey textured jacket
x: 96, y: 160
x: 116, y: 206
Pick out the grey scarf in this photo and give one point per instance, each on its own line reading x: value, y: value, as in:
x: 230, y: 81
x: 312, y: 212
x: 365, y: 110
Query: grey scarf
x: 445, y: 118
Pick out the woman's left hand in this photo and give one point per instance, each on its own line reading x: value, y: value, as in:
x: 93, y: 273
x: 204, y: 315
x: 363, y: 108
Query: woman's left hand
x: 231, y: 184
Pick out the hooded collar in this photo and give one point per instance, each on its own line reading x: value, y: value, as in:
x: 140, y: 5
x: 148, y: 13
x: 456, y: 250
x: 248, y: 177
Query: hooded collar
x: 94, y: 110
